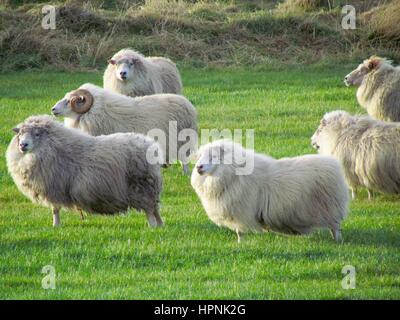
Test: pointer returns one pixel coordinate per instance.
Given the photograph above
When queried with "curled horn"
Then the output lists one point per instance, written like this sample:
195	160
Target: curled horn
82	96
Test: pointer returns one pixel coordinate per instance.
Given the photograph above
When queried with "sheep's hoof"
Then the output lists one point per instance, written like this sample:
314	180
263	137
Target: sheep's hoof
152	220
186	170
56	220
160	224
238	235
159	221
82	215
337	235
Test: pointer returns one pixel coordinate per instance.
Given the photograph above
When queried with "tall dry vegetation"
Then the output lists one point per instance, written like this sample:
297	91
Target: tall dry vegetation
199	33
382	24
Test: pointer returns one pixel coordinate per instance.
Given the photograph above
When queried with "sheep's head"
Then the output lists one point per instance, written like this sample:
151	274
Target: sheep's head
218	156
74	103
356	77
125	67
329	128
208	160
33	133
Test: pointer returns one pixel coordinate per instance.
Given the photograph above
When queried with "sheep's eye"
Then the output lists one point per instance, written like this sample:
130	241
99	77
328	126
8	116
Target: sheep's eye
37	134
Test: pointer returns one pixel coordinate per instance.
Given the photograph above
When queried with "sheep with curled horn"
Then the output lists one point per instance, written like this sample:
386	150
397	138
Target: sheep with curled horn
368	149
378	90
130	73
169	117
247	191
61	167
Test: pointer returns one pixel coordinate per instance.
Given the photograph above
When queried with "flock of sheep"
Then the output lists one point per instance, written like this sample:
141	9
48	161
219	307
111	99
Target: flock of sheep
105	157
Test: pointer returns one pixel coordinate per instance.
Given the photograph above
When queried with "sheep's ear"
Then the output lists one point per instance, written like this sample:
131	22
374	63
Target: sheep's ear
373	63
111	61
352	121
136	62
16	130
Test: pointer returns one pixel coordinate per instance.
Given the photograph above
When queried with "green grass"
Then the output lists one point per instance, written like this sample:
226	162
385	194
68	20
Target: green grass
122	258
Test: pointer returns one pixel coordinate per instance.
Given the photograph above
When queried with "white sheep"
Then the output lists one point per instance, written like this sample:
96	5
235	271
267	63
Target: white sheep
378	88
291	195
61	167
169	117
368	149
130	73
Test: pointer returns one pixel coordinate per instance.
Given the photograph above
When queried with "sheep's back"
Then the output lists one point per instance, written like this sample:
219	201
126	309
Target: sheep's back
169	75
378	154
305	193
380	94
120	176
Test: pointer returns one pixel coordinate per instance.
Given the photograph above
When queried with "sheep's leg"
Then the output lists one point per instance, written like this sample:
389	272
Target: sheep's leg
81	214
157	215
370	194
353	193
336	234
186	170
56	216
151	219
238	235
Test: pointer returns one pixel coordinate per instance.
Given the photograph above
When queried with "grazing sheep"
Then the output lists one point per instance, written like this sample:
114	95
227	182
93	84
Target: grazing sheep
130	73
98	111
379	88
368	149
61	167
291	195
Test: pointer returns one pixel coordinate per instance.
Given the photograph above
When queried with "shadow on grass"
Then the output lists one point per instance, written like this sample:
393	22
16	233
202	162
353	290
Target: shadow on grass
372	237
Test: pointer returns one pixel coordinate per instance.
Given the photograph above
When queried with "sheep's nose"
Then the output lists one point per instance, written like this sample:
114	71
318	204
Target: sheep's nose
23	146
53	109
123	73
200	168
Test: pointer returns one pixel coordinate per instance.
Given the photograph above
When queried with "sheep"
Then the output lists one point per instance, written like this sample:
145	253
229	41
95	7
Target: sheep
61	167
368	149
379	88
130	73
172	118
290	195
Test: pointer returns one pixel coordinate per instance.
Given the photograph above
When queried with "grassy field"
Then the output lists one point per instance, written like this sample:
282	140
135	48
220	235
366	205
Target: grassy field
122	258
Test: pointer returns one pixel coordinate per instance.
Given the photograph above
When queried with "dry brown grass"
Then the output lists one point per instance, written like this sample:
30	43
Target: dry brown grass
382	24
199	33
302	5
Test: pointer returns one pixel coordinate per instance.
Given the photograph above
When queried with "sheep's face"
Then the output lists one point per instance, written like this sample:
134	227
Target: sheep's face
316	138
124	68
208	161
74	103
329	127
63	107
218	159
30	138
323	138
355	78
